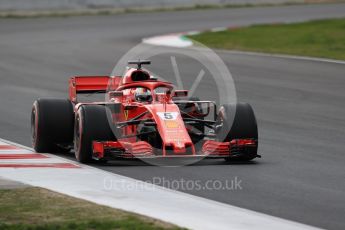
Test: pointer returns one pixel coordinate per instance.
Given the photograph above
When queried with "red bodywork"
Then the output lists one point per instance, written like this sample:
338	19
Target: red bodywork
162	113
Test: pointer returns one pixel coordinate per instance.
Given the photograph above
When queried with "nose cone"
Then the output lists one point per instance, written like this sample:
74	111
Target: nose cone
170	125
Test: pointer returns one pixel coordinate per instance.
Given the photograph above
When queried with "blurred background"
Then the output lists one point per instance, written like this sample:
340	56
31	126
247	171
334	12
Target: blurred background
85	4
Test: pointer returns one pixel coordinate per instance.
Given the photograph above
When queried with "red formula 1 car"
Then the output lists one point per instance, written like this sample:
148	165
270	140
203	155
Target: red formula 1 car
141	117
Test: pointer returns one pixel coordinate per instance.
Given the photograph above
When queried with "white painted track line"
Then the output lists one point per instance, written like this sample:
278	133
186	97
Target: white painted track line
32	161
3	143
136	196
15	151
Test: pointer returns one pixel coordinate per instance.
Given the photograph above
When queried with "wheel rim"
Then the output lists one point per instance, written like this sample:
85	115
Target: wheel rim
77	135
33	126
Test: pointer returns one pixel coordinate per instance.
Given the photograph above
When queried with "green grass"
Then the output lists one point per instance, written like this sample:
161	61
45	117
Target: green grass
321	38
40	209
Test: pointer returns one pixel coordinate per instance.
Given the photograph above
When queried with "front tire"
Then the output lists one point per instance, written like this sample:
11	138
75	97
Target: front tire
237	121
91	124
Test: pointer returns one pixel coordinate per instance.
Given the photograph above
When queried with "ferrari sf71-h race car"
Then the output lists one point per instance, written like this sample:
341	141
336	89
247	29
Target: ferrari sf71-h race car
141	117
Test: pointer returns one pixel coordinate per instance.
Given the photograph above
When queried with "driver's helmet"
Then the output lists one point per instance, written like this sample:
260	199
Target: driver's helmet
143	95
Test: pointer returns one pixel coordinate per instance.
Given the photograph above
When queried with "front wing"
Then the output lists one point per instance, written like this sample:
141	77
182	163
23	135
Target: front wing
141	149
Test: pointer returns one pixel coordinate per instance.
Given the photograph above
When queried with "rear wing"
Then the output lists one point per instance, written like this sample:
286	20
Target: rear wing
91	84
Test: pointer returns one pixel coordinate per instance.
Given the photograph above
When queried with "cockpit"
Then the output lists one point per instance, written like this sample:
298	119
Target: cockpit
146	95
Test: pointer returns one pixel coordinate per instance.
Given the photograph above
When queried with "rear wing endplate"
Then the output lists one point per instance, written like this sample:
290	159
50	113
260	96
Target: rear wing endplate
91	84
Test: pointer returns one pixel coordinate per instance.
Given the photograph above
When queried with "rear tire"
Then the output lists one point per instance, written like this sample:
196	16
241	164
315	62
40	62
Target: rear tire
238	122
52	125
91	124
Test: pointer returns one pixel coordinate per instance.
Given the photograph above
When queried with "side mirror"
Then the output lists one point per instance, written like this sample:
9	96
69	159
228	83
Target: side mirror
116	93
180	93
115	96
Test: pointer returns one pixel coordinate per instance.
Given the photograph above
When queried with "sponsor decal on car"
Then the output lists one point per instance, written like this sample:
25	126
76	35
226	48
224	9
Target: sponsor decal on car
125	112
169	119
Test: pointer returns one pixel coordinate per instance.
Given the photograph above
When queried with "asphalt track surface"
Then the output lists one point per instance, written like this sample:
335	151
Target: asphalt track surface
299	104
